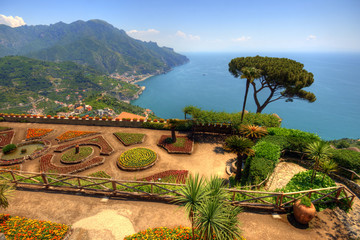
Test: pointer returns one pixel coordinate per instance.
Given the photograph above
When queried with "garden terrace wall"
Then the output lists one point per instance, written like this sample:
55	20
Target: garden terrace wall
79	121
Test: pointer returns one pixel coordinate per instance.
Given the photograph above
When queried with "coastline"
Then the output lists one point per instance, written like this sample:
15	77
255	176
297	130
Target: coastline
143	79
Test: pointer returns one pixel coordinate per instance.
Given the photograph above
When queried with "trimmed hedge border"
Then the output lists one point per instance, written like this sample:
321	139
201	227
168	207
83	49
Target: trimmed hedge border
119	137
170	148
105	148
47	165
88	134
136	168
6	137
78	161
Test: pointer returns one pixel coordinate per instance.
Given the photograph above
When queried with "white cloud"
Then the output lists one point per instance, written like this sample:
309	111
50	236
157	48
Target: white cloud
241	39
136	33
187	36
311	37
11	21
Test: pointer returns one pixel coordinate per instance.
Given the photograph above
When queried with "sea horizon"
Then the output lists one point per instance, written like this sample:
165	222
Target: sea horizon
205	82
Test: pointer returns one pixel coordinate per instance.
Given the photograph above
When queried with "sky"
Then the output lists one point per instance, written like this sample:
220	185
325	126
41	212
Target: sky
209	26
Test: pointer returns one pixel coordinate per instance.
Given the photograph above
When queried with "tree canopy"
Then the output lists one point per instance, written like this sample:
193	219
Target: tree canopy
283	77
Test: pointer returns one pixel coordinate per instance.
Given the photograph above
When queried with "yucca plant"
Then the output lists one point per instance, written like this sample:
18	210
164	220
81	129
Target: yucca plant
318	151
6	191
216	219
242	147
252	132
192	194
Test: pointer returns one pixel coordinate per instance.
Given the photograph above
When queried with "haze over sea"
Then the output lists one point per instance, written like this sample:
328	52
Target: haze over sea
205	82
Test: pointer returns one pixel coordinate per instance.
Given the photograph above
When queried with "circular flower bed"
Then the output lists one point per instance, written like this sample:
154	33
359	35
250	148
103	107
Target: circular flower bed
137	159
71	157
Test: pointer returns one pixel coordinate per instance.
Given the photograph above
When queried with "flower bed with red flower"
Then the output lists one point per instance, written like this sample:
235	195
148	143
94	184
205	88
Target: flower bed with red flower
47	166
99	141
172	176
36	133
6	138
14	167
182	145
24	228
176	233
72	135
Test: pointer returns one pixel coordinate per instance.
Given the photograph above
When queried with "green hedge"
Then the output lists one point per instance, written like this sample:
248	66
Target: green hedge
281	141
257	168
347	158
291	139
287	132
260	119
8	148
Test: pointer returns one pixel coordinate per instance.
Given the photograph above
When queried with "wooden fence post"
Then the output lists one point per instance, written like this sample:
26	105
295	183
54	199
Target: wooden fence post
113	184
152	188
45	180
338	193
233	196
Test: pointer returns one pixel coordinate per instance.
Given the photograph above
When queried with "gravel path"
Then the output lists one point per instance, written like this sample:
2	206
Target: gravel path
282	174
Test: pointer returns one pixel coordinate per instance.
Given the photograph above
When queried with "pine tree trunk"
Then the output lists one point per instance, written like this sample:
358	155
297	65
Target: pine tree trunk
173	134
245	98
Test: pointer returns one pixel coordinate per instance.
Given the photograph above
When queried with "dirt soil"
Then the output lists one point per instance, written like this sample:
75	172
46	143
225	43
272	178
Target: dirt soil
206	158
94	217
100	218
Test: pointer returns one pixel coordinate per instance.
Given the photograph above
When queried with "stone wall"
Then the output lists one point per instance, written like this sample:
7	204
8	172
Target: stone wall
74	121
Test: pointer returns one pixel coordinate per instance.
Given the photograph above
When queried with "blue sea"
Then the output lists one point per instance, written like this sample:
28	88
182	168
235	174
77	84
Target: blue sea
205	82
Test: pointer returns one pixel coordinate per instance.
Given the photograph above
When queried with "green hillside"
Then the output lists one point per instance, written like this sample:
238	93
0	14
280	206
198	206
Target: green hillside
94	43
26	82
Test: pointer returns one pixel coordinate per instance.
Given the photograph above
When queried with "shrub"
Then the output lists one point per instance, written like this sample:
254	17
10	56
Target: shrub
154	125
281	141
296	140
302	181
8	148
260	119
257	168
347	159
2	119
293	133
267	150
342	144
305	201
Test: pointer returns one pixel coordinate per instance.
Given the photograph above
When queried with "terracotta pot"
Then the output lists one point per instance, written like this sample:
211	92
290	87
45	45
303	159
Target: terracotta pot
302	213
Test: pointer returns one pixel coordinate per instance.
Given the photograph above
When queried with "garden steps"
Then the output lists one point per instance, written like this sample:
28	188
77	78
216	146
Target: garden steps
282	174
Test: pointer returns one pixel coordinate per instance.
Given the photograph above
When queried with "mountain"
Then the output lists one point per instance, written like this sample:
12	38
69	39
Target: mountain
95	43
27	83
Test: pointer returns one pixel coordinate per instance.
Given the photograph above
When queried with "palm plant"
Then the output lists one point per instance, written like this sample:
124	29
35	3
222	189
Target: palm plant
250	73
252	131
6	191
328	166
216	219
192	194
242	147
317	151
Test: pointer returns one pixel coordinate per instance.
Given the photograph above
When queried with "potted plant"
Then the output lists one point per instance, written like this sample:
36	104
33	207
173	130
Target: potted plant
56	117
48	116
304	210
62	117
70	117
91	118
